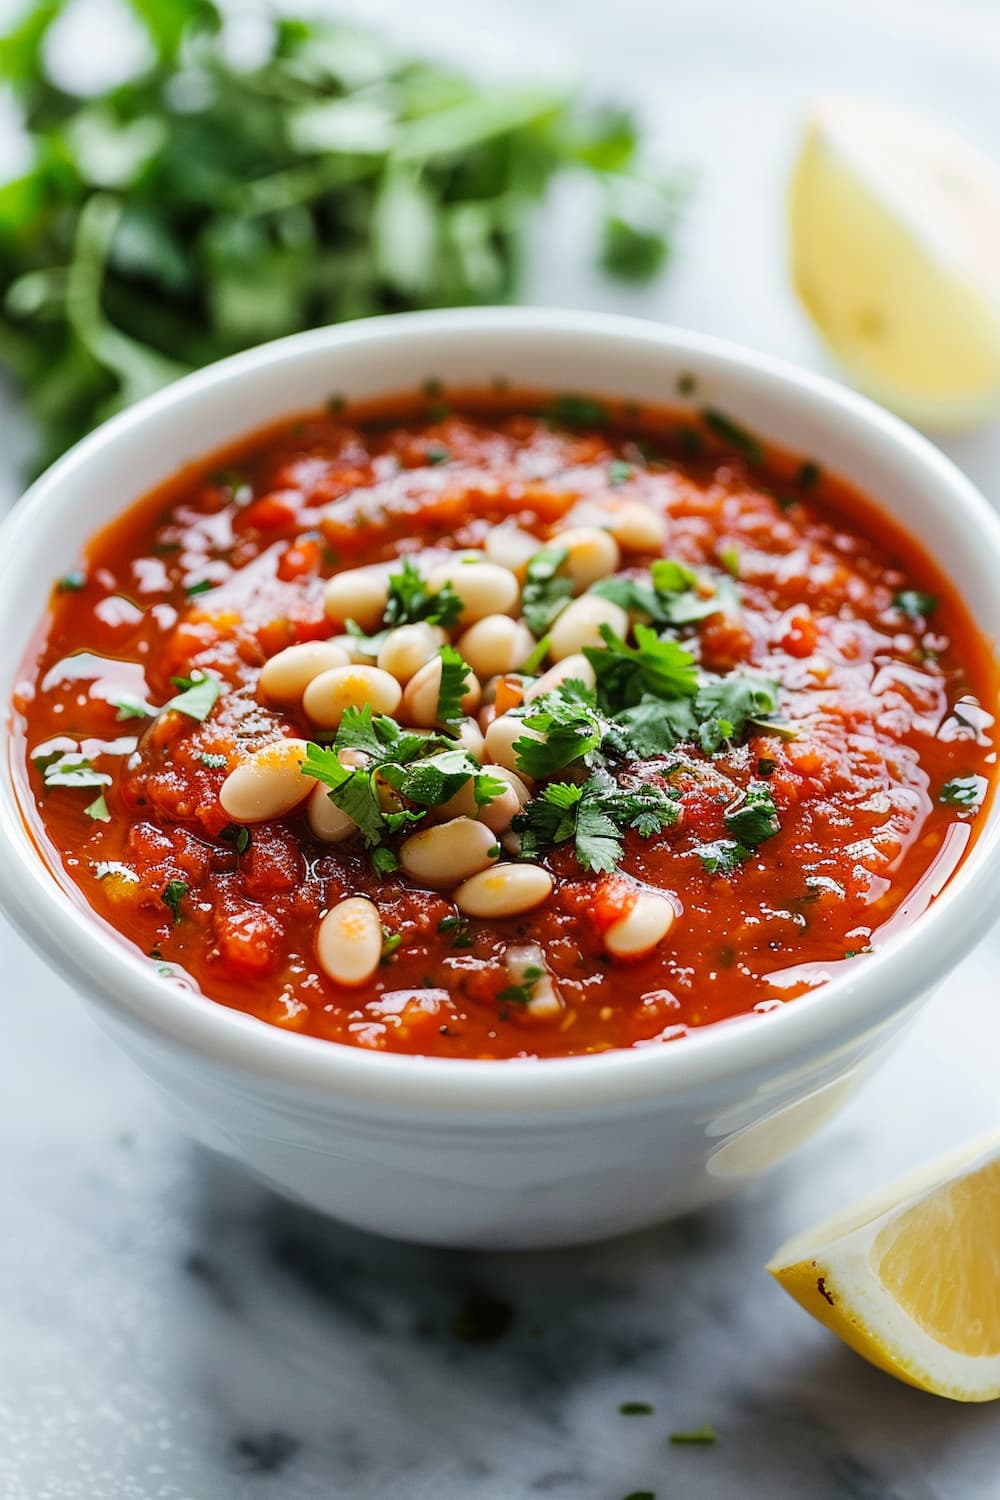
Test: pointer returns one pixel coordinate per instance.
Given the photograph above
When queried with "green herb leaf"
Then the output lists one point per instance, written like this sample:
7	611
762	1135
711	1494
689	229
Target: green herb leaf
755	818
915	603
72	582
98	809
619	472
635	1409
214	762
569	725
723	857
172	895
699	1435
595	815
733	434
725	706
455	675
578	411
410	600
71	769
546	591
965	792
197	698
660	668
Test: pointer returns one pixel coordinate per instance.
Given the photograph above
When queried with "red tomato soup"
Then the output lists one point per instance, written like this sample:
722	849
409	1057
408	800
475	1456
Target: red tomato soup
516	728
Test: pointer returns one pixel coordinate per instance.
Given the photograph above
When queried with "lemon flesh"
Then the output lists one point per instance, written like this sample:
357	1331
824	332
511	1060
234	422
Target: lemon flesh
910	1277
894	231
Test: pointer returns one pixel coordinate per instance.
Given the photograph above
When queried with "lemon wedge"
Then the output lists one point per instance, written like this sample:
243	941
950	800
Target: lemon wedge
894	229
910	1277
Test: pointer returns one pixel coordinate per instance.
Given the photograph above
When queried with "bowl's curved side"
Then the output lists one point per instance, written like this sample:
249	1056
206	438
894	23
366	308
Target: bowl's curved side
759	1065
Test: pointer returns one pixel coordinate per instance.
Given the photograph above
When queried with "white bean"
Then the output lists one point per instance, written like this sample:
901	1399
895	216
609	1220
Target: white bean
575	668
579	623
470	739
501	737
328	695
495	645
326	820
286	676
592	554
647	924
505	891
526	966
422	692
360	595
408	648
483	587
349	941
637	527
448	852
498	813
511	547
268	784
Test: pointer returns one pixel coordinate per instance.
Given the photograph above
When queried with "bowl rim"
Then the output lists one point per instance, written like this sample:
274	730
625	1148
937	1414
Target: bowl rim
866	996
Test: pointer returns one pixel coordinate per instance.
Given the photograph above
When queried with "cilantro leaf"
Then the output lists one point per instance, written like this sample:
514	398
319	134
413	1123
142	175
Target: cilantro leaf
965	792
733	434
71	769
437	778
410	600
569	725
595	815
915	603
197	697
724	856
619	472
653	726
671	599
455	674
726	705
625	673
172	895
546	591
755	817
98	809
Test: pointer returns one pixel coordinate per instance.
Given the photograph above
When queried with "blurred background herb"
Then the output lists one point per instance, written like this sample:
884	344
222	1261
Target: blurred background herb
205	205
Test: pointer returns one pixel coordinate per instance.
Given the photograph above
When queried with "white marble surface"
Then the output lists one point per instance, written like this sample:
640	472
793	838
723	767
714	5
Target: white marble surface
171	1331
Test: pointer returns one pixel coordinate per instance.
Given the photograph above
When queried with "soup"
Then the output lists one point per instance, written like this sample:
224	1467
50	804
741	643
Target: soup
516	728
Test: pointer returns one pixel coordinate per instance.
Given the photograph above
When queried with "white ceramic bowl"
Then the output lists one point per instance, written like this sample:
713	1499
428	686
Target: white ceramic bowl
499	1154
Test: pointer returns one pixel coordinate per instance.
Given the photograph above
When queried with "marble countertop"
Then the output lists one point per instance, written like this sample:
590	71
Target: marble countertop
170	1330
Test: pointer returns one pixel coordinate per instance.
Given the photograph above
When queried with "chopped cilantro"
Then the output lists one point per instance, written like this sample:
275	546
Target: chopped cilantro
201	587
390	942
131	708
732	433
809	474
197	697
965	792
436	453
595	815
72	582
546	591
569	725
672	600
172	895
455	675
214	762
578	411
70	769
98	809
726	705
729	556
699	1435
723	857
755	817
766	766
915	603
624	673
458	926
619	472
635	1409
238	835
437	778
410	600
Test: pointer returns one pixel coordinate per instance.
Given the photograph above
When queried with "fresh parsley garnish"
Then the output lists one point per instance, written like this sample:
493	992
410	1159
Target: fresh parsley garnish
619	472
671	598
238	835
458	926
724	856
201	587
131	708
578	411
546	591
410	600
725	706
196	698
391	941
213	761
704	1434
537	656
72	582
915	603
635	1409
172	895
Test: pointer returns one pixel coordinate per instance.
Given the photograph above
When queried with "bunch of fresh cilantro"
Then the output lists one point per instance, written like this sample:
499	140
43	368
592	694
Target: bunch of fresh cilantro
204	206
